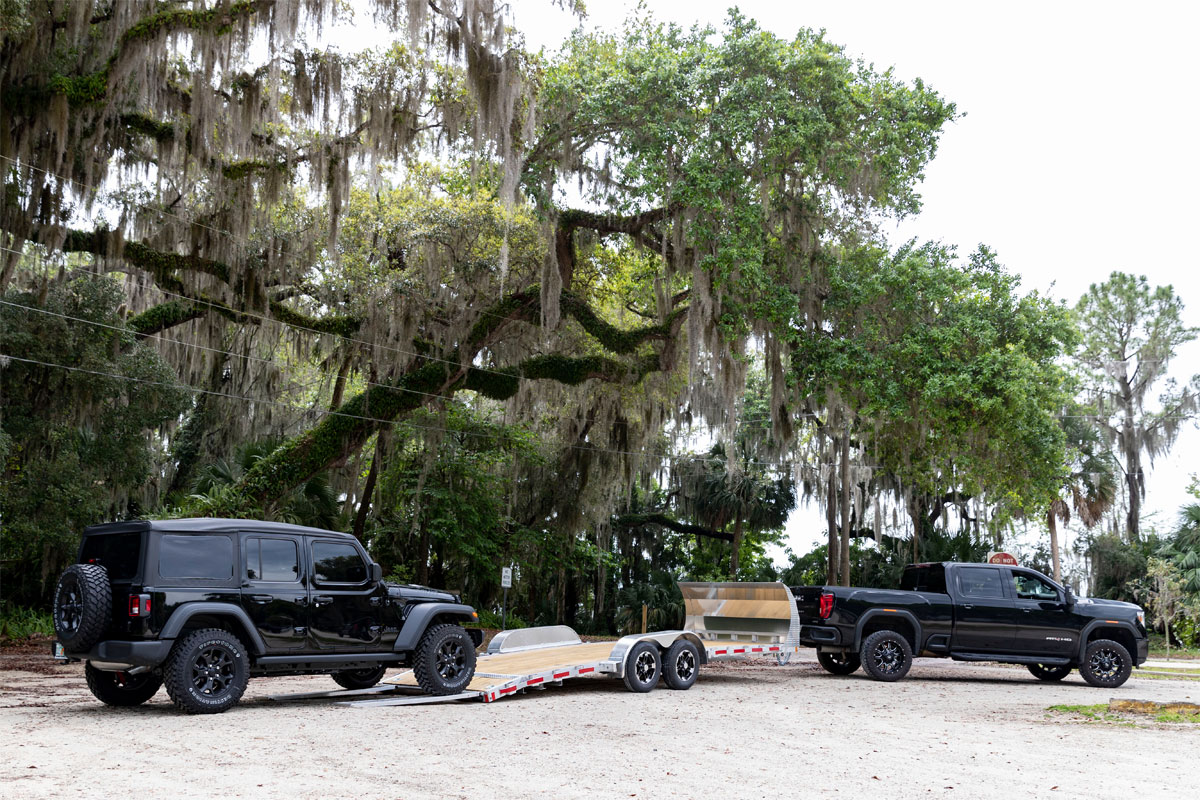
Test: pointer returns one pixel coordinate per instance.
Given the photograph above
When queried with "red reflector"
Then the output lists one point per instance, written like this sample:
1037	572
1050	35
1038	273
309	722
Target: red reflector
826	605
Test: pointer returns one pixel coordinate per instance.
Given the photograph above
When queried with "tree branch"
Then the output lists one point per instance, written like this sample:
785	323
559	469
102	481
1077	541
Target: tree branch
664	521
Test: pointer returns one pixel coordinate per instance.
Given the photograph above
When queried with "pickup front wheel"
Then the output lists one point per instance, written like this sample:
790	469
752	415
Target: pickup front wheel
886	656
840	663
1106	664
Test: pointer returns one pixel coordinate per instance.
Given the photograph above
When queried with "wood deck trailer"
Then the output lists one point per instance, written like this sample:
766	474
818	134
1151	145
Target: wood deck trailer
722	621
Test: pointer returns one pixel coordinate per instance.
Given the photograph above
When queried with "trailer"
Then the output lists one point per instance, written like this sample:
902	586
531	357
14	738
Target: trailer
722	621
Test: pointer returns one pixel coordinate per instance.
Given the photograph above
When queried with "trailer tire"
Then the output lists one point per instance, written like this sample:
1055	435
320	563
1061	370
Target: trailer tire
840	663
681	666
886	656
643	666
445	660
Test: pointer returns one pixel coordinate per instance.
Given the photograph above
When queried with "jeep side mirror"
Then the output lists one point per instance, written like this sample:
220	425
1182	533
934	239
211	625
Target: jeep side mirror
376	573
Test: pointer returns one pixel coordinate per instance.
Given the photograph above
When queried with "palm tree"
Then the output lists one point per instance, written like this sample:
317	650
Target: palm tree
1090	487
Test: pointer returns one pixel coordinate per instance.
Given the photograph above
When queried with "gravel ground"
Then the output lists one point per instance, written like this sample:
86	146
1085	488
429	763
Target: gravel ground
746	729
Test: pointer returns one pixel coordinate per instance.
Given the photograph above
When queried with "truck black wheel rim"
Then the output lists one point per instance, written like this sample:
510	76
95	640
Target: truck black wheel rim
212	671
888	658
1105	663
643	668
685	664
450	659
70	608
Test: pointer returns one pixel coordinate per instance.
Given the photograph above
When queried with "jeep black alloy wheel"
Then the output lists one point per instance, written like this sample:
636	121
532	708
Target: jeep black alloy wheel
207	671
121	688
681	666
82	606
445	660
1106	664
886	656
1049	673
642	667
839	663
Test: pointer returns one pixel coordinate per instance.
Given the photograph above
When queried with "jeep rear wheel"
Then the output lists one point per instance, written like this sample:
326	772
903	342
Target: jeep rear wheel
207	671
445	660
82	606
358	678
121	688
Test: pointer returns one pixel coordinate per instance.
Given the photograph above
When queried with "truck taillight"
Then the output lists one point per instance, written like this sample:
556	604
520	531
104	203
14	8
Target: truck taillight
139	605
826	605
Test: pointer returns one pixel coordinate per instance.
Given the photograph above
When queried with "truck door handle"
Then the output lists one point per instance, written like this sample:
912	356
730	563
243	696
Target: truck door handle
1027	610
967	606
261	598
322	600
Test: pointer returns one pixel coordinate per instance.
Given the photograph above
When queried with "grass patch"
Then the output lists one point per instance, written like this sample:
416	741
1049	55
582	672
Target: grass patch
1177	716
1095	713
18	622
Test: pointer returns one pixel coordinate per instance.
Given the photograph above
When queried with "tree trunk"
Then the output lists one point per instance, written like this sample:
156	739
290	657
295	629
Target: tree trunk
339	385
423	557
364	503
1131	448
737	547
845	548
1051	522
831	571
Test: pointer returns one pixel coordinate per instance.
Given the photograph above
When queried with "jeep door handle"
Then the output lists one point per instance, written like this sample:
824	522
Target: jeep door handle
261	598
322	600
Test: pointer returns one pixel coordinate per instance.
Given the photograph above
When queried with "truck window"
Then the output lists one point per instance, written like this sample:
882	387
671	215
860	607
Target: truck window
200	557
980	582
931	578
1031	587
274	560
337	563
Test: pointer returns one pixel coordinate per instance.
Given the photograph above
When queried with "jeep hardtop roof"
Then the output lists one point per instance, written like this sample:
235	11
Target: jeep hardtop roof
209	524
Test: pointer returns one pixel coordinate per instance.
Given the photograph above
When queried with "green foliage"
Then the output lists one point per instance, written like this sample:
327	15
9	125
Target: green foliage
77	444
489	618
19	622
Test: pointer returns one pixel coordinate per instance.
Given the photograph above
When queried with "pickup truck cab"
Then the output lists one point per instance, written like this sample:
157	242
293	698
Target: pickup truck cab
972	612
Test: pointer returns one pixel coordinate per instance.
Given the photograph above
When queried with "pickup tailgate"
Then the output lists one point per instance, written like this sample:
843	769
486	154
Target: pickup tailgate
808	603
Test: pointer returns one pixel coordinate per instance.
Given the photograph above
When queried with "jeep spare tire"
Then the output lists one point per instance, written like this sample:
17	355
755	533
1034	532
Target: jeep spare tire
82	606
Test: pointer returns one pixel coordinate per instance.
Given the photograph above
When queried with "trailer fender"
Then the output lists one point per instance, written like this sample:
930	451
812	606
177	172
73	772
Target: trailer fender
664	640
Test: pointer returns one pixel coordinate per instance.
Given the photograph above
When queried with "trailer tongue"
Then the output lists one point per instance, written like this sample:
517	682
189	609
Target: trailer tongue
723	621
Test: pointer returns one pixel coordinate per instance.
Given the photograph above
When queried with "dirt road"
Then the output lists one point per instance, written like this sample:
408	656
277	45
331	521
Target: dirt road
751	729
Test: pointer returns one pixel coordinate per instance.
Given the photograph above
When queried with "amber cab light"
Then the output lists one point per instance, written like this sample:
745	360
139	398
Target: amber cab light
826	605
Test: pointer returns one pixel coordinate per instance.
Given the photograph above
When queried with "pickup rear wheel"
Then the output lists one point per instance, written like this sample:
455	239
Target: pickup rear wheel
643	666
1106	664
681	666
359	678
840	663
1049	673
445	660
886	656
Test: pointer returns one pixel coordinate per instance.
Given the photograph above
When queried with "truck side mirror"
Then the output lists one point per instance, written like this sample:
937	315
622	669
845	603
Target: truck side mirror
376	573
1068	597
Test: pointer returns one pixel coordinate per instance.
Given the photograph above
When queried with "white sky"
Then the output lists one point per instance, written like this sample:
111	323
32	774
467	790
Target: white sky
1077	155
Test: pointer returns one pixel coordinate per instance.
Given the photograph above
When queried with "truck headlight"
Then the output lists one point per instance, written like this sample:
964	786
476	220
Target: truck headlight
1142	618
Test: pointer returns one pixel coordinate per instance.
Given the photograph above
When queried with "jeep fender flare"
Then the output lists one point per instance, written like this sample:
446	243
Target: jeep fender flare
907	616
1085	635
181	615
418	619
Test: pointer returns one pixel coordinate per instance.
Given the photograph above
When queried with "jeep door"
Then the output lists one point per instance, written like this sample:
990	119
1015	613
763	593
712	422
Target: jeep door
984	615
273	593
1044	624
346	606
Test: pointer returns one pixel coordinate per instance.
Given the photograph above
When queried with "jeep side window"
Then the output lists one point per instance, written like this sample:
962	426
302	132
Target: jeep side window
196	556
275	560
1031	587
337	563
980	582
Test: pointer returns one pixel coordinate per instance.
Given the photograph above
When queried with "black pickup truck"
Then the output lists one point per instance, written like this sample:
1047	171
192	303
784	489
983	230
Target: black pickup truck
972	612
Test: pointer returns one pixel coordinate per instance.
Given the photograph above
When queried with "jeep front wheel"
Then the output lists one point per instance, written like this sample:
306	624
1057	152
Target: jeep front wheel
445	660
207	671
121	688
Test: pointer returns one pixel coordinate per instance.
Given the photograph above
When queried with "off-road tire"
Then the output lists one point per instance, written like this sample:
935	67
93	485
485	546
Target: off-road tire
886	656
121	688
840	663
82	606
1049	673
207	671
643	666
359	678
681	665
1106	664
445	660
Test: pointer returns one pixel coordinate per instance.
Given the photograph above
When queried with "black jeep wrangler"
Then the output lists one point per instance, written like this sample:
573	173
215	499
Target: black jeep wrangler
203	605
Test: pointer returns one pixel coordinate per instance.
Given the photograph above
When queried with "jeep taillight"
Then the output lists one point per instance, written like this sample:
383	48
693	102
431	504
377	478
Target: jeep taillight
826	605
139	605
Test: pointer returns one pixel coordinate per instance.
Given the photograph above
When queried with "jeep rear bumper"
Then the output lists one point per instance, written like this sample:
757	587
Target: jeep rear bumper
115	653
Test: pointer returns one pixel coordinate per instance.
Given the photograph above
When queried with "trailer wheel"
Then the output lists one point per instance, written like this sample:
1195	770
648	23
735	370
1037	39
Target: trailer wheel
840	663
681	666
886	656
642	667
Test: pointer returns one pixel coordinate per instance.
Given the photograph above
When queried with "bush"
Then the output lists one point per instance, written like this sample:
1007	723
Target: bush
491	619
18	622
